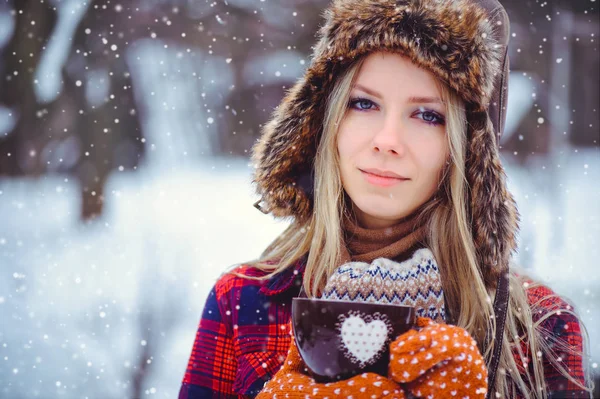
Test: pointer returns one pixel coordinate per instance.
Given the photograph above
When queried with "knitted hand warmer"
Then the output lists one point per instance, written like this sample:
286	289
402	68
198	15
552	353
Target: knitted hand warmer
439	361
415	282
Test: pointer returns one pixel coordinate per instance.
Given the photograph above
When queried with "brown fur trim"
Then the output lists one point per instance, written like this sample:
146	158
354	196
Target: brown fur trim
494	215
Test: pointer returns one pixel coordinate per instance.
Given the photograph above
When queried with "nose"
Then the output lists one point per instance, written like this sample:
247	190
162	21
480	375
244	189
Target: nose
390	138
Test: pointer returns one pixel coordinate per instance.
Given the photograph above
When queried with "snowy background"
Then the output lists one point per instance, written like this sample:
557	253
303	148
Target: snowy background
107	306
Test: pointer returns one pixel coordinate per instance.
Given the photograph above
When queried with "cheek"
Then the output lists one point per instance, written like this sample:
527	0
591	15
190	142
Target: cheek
346	144
353	137
433	155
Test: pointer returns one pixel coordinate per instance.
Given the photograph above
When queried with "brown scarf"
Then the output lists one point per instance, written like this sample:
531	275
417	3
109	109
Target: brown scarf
396	243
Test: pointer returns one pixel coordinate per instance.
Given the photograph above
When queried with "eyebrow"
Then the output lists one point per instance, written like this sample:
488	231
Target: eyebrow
411	100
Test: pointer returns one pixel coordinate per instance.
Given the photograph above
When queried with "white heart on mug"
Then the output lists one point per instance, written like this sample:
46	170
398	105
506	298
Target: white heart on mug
364	341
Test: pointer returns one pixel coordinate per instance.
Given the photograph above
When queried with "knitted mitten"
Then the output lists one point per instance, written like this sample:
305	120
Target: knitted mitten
292	381
439	361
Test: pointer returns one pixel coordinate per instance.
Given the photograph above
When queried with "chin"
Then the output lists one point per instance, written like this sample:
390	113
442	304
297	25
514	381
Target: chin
383	210
391	217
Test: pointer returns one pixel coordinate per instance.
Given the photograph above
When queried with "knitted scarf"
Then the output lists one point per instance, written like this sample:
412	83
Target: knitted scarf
396	243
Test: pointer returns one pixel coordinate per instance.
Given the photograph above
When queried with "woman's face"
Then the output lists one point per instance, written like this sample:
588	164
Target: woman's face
394	126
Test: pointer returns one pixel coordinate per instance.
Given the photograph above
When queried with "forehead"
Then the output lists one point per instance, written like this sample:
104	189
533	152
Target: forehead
395	74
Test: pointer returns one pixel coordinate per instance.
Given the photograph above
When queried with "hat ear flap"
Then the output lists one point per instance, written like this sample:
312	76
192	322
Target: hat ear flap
284	155
494	217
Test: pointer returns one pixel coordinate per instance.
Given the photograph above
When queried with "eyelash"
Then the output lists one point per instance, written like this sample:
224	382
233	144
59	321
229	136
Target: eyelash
439	118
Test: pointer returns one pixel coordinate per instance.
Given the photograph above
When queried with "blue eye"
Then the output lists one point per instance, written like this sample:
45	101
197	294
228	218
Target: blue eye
363	104
431	117
427	115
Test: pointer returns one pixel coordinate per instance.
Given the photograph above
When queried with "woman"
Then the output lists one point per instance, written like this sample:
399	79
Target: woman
387	145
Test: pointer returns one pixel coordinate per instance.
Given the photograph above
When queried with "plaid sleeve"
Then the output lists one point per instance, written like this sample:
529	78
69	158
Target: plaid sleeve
242	340
212	366
262	338
563	333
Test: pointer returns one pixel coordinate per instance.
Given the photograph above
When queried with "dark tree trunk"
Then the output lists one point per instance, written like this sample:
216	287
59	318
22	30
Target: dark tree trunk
34	22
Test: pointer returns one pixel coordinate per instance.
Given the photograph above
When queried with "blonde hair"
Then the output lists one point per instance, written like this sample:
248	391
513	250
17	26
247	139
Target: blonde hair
449	238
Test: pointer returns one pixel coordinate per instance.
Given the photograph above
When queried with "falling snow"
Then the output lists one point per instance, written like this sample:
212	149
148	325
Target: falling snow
86	305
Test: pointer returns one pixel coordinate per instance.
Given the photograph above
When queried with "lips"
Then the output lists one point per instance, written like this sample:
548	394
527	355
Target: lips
383	173
382	181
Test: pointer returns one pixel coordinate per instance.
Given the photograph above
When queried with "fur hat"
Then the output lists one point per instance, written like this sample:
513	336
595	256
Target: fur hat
414	282
463	43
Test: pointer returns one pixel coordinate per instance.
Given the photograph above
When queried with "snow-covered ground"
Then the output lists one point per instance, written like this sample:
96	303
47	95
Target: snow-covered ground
76	301
79	304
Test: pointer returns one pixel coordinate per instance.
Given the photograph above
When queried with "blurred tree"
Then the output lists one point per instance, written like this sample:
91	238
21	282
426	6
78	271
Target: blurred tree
34	21
97	80
107	133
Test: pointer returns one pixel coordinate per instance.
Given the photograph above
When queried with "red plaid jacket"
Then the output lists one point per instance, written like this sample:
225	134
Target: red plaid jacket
243	337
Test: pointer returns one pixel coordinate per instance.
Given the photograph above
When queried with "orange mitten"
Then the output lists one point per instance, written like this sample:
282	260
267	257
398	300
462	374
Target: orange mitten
291	381
439	361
